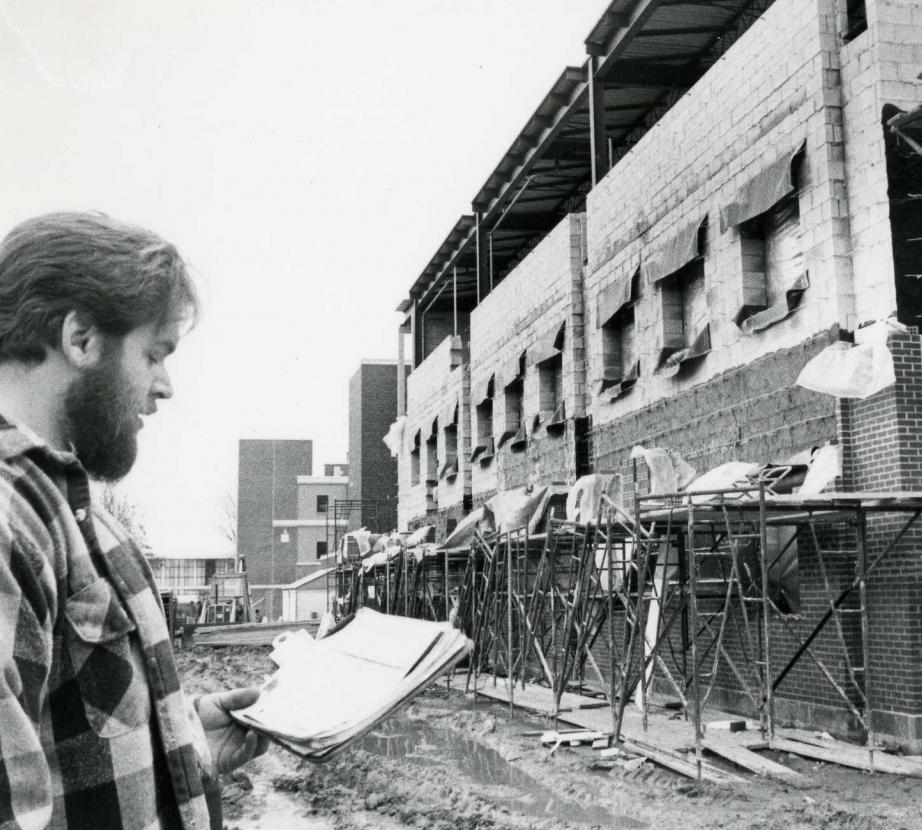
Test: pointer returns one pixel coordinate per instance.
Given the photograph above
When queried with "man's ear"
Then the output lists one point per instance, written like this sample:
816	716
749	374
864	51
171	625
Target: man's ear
81	340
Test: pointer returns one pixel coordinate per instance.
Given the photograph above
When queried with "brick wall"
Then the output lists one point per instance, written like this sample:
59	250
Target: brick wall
372	469
882	445
267	490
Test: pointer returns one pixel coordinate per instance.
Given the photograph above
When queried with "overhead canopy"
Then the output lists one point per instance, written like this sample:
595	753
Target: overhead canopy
550	344
768	187
615	297
674	253
646	55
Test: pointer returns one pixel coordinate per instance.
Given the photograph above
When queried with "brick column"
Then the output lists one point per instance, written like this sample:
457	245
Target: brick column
882	451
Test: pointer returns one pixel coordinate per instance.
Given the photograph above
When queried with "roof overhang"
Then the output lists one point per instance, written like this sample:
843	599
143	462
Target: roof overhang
643	56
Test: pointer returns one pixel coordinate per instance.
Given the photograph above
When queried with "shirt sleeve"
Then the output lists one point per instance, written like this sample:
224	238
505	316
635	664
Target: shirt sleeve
27	602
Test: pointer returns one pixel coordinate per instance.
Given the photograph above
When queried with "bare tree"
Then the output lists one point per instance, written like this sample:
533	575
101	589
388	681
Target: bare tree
127	513
228	520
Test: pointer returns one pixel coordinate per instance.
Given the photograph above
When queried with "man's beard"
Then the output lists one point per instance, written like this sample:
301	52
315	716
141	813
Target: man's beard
100	419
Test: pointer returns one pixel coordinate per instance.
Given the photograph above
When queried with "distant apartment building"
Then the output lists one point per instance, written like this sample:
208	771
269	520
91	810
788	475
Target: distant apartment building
189	577
372	469
317	525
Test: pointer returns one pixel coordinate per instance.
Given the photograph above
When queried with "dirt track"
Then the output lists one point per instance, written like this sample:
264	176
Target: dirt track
445	763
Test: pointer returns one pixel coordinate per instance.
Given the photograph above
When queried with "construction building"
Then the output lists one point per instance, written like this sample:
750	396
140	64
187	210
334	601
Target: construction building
722	191
372	469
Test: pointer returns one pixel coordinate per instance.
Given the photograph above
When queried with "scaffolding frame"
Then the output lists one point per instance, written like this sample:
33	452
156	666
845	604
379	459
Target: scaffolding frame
679	593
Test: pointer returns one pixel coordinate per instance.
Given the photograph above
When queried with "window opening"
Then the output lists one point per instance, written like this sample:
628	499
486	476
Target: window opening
767	212
432	454
449	467
483	414
513	399
620	357
414	460
686	326
856	14
323	504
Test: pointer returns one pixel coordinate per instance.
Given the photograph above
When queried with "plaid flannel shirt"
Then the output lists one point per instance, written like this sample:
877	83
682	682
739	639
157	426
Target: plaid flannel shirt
94	728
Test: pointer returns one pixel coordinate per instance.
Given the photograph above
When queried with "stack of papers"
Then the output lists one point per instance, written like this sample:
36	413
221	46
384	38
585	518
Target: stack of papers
328	692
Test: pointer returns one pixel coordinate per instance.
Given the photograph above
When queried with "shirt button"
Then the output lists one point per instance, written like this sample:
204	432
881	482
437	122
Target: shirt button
80	514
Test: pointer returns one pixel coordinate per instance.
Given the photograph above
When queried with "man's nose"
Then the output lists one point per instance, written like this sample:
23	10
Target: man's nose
162	388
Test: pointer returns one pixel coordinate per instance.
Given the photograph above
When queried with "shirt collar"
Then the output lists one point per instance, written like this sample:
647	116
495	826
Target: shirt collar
17	439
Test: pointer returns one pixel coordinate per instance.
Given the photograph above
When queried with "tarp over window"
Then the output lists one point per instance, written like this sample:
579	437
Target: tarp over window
615	297
483	390
674	253
449	415
767	188
512	370
700	347
785	307
550	345
616	380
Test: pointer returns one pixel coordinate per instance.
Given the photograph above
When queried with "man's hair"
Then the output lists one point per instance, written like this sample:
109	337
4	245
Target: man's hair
118	275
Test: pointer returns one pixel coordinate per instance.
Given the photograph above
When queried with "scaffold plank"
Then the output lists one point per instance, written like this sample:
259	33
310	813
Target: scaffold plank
847	755
727	747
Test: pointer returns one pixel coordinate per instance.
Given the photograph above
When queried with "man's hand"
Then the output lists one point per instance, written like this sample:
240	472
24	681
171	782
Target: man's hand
232	745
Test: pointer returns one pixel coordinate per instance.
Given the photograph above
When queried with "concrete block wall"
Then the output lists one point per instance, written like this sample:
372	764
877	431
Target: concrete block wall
880	66
543	291
430	387
766	95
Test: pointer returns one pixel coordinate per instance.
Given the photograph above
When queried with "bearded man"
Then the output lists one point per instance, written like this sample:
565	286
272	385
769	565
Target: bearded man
94	728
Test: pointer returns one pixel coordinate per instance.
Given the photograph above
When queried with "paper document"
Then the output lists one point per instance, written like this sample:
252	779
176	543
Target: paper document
328	692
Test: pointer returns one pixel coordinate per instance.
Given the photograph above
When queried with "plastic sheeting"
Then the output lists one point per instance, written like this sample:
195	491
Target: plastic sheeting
513	509
420	535
669	472
394	438
585	496
853	371
674	254
727	476
764	190
550	344
614	297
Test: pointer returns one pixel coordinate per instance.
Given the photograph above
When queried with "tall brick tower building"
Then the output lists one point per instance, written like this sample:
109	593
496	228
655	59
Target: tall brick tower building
267	490
372	470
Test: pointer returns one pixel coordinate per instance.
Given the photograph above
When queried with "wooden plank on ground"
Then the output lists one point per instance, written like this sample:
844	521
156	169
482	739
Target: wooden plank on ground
246	634
536	698
822	739
727	747
847	755
675	762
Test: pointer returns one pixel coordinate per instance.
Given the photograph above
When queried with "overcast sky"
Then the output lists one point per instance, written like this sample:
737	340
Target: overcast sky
308	157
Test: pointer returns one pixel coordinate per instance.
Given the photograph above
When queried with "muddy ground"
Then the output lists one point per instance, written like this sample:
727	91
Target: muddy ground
446	763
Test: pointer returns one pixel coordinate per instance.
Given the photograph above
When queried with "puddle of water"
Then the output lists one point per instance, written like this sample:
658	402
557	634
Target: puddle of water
425	745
